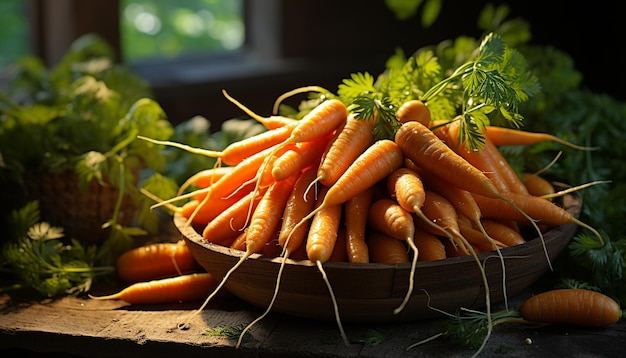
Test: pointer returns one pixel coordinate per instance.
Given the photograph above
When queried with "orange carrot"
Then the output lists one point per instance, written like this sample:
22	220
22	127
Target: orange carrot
300	203
204	178
185	288
300	156
356	212
340	253
405	185
481	241
542	210
267	217
441	212
490	161
322	236
153	261
208	208
430	246
386	249
242	149
509	136
572	306
390	218
355	136
537	185
230	222
503	233
427	151
414	111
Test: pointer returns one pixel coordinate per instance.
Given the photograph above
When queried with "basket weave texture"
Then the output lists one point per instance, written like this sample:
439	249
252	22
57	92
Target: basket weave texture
81	213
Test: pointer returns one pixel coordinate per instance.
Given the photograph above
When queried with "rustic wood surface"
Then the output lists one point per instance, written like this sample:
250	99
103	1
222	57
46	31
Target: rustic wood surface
73	326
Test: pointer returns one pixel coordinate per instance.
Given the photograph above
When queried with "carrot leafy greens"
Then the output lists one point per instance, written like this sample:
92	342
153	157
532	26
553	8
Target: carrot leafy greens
484	90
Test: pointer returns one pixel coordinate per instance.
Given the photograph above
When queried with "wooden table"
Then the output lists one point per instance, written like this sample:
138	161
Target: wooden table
84	327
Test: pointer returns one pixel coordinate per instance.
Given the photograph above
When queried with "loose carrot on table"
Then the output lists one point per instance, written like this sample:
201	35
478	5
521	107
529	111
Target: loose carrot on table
355	217
509	136
414	111
153	261
184	288
576	307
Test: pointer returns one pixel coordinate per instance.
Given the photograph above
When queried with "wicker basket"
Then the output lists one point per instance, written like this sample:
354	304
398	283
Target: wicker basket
80	212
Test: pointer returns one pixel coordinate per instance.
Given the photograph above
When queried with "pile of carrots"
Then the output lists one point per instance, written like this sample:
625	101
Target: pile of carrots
322	188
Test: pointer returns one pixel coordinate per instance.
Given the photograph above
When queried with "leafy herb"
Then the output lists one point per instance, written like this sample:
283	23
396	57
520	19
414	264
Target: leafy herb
43	262
228	332
83	116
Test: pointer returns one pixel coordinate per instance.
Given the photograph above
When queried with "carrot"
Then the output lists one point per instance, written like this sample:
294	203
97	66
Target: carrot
537	185
427	151
208	208
242	149
572	306
356	212
490	161
185	288
355	136
406	186
300	203
542	210
430	246
226	185
414	111
461	200
386	249
503	233
340	253
323	231
480	241
204	178
441	212
509	136
298	157
271	122
390	218
230	222
154	261
378	161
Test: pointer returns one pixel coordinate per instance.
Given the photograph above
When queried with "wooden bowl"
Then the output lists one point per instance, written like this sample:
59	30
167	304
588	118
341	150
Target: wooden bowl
368	293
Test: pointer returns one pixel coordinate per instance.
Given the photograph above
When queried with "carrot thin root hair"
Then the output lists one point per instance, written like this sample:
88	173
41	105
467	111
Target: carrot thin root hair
288	94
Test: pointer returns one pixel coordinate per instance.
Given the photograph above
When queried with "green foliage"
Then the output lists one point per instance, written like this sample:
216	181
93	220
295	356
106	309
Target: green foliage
42	261
486	89
83	116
